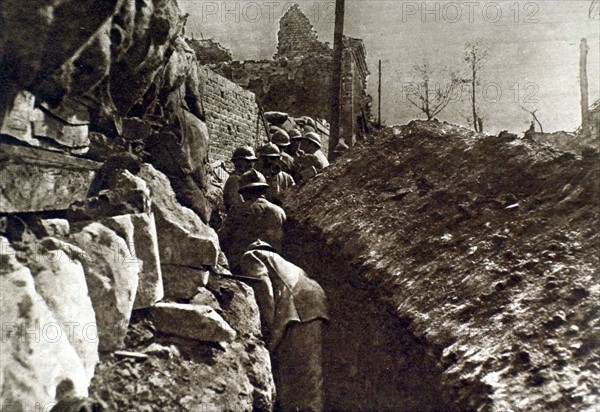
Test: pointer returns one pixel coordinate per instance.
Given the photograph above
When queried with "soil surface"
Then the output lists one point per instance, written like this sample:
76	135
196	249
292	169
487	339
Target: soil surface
186	375
473	256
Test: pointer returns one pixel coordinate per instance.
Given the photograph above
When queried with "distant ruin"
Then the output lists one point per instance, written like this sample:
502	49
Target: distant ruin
297	80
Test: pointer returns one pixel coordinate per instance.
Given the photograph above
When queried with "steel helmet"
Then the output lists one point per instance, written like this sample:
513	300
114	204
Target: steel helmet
269	150
252	178
274	129
280	138
295	134
260	245
313	137
244	152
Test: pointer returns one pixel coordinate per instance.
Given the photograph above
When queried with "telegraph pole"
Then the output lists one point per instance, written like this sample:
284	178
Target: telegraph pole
336	78
583	86
379	103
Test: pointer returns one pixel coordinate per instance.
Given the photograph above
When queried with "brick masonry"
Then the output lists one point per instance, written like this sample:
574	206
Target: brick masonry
232	116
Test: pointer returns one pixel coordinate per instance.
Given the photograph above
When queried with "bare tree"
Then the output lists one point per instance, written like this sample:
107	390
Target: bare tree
475	54
428	96
532	113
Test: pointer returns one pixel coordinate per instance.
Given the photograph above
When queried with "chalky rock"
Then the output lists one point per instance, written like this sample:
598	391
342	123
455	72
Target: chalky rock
56	227
60	280
112	276
182	282
64	130
205	297
35	180
35	354
192	321
183	238
139	232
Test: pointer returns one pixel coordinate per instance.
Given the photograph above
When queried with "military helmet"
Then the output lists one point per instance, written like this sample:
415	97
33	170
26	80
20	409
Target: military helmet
313	137
244	152
274	129
260	245
269	150
280	138
295	134
252	178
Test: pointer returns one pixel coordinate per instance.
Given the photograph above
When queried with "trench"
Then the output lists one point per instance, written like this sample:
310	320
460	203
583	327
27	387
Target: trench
372	361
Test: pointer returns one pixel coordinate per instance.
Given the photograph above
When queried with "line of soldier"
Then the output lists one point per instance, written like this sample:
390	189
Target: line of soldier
292	306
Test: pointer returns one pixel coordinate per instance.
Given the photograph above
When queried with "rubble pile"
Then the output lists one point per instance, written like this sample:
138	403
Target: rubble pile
477	254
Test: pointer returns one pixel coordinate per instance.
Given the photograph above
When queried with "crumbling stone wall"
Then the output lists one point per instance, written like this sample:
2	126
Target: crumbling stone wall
209	51
297	87
232	116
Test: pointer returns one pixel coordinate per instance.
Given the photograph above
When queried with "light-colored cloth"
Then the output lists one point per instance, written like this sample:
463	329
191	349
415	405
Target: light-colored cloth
321	160
308	165
252	220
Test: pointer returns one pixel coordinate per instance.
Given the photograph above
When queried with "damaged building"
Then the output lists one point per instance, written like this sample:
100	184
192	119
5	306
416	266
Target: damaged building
298	78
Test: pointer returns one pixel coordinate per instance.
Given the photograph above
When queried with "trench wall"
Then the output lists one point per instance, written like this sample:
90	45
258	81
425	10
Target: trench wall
372	360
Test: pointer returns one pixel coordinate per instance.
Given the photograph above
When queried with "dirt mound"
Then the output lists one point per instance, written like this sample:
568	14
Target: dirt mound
483	248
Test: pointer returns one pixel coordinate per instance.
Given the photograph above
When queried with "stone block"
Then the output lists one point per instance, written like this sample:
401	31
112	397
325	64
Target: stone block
183	282
139	232
61	281
48	126
56	227
35	355
205	297
182	237
192	321
17	121
35	180
112	277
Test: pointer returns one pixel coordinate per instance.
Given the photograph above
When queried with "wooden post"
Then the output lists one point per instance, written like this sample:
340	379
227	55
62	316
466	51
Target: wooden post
379	103
583	86
336	78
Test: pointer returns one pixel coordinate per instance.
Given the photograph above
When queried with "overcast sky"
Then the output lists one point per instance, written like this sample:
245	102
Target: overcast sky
533	49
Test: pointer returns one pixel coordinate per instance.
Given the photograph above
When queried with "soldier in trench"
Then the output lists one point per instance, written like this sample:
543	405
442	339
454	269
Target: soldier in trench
270	167
293	311
255	218
311	160
282	140
243	159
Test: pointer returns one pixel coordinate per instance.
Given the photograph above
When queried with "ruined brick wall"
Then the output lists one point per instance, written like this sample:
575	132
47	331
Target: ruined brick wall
299	87
232	116
356	103
297	37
